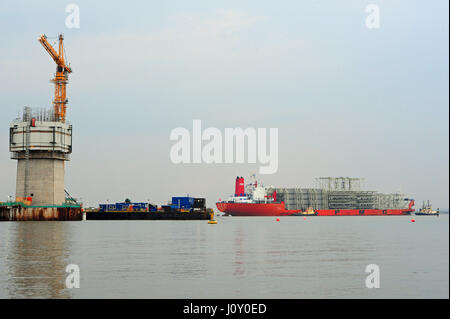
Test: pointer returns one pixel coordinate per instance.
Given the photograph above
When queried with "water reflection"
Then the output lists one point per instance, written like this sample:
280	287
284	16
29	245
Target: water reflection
36	260
240	258
239	269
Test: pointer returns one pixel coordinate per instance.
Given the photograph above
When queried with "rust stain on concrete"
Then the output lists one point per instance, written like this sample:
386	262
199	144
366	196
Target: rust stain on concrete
18	213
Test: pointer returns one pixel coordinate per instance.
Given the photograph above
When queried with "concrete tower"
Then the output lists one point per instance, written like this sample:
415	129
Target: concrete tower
40	145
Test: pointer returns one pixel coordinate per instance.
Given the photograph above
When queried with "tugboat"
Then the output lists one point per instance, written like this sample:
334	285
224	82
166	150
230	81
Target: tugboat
309	212
427	211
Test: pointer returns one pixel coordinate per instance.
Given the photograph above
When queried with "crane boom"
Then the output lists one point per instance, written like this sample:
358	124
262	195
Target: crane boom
61	77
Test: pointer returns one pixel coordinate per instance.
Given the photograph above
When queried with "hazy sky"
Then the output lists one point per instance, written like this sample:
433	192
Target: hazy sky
347	100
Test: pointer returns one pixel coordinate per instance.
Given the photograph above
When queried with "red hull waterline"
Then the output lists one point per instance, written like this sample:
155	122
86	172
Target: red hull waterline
278	209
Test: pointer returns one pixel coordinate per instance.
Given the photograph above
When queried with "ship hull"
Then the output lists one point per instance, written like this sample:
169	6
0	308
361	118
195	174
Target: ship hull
255	209
278	209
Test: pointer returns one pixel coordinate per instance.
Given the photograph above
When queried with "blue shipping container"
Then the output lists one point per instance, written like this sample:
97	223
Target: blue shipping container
123	206
182	202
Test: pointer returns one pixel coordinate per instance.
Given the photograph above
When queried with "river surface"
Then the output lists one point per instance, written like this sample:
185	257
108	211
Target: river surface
240	257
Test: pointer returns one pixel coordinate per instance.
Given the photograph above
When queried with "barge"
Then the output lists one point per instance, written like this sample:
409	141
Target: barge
181	208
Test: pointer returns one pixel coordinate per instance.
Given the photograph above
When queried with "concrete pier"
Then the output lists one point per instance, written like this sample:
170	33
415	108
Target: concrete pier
41	146
45	179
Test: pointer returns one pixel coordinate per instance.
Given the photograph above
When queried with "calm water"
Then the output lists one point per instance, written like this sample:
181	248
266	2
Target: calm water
320	257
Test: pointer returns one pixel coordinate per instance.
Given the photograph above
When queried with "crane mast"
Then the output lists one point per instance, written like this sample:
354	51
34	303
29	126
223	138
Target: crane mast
61	76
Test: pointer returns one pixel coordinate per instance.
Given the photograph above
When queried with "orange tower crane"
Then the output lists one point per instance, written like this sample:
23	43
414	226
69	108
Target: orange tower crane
61	77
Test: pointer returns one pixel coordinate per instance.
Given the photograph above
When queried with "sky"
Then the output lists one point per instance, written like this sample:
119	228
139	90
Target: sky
347	100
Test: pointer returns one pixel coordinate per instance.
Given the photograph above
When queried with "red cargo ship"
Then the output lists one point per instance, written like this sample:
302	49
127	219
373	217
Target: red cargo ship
263	201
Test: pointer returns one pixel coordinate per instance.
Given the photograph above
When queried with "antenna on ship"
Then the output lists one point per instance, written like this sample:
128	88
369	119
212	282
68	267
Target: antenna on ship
255	182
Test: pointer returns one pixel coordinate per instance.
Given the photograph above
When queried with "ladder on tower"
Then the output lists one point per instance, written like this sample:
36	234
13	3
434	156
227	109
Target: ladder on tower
27	152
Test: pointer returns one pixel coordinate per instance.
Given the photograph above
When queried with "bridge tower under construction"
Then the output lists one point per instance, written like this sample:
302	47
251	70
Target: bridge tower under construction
41	140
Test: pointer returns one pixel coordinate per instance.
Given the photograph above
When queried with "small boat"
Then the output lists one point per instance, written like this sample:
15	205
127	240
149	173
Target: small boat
309	212
212	221
427	211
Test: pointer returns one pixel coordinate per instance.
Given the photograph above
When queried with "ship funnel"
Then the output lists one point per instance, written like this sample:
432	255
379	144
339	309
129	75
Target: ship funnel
240	187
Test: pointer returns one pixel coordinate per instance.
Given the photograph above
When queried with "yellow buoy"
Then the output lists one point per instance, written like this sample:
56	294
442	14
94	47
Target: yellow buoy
212	221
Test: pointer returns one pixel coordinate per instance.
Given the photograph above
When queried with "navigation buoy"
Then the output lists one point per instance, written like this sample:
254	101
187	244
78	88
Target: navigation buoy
278	219
413	220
